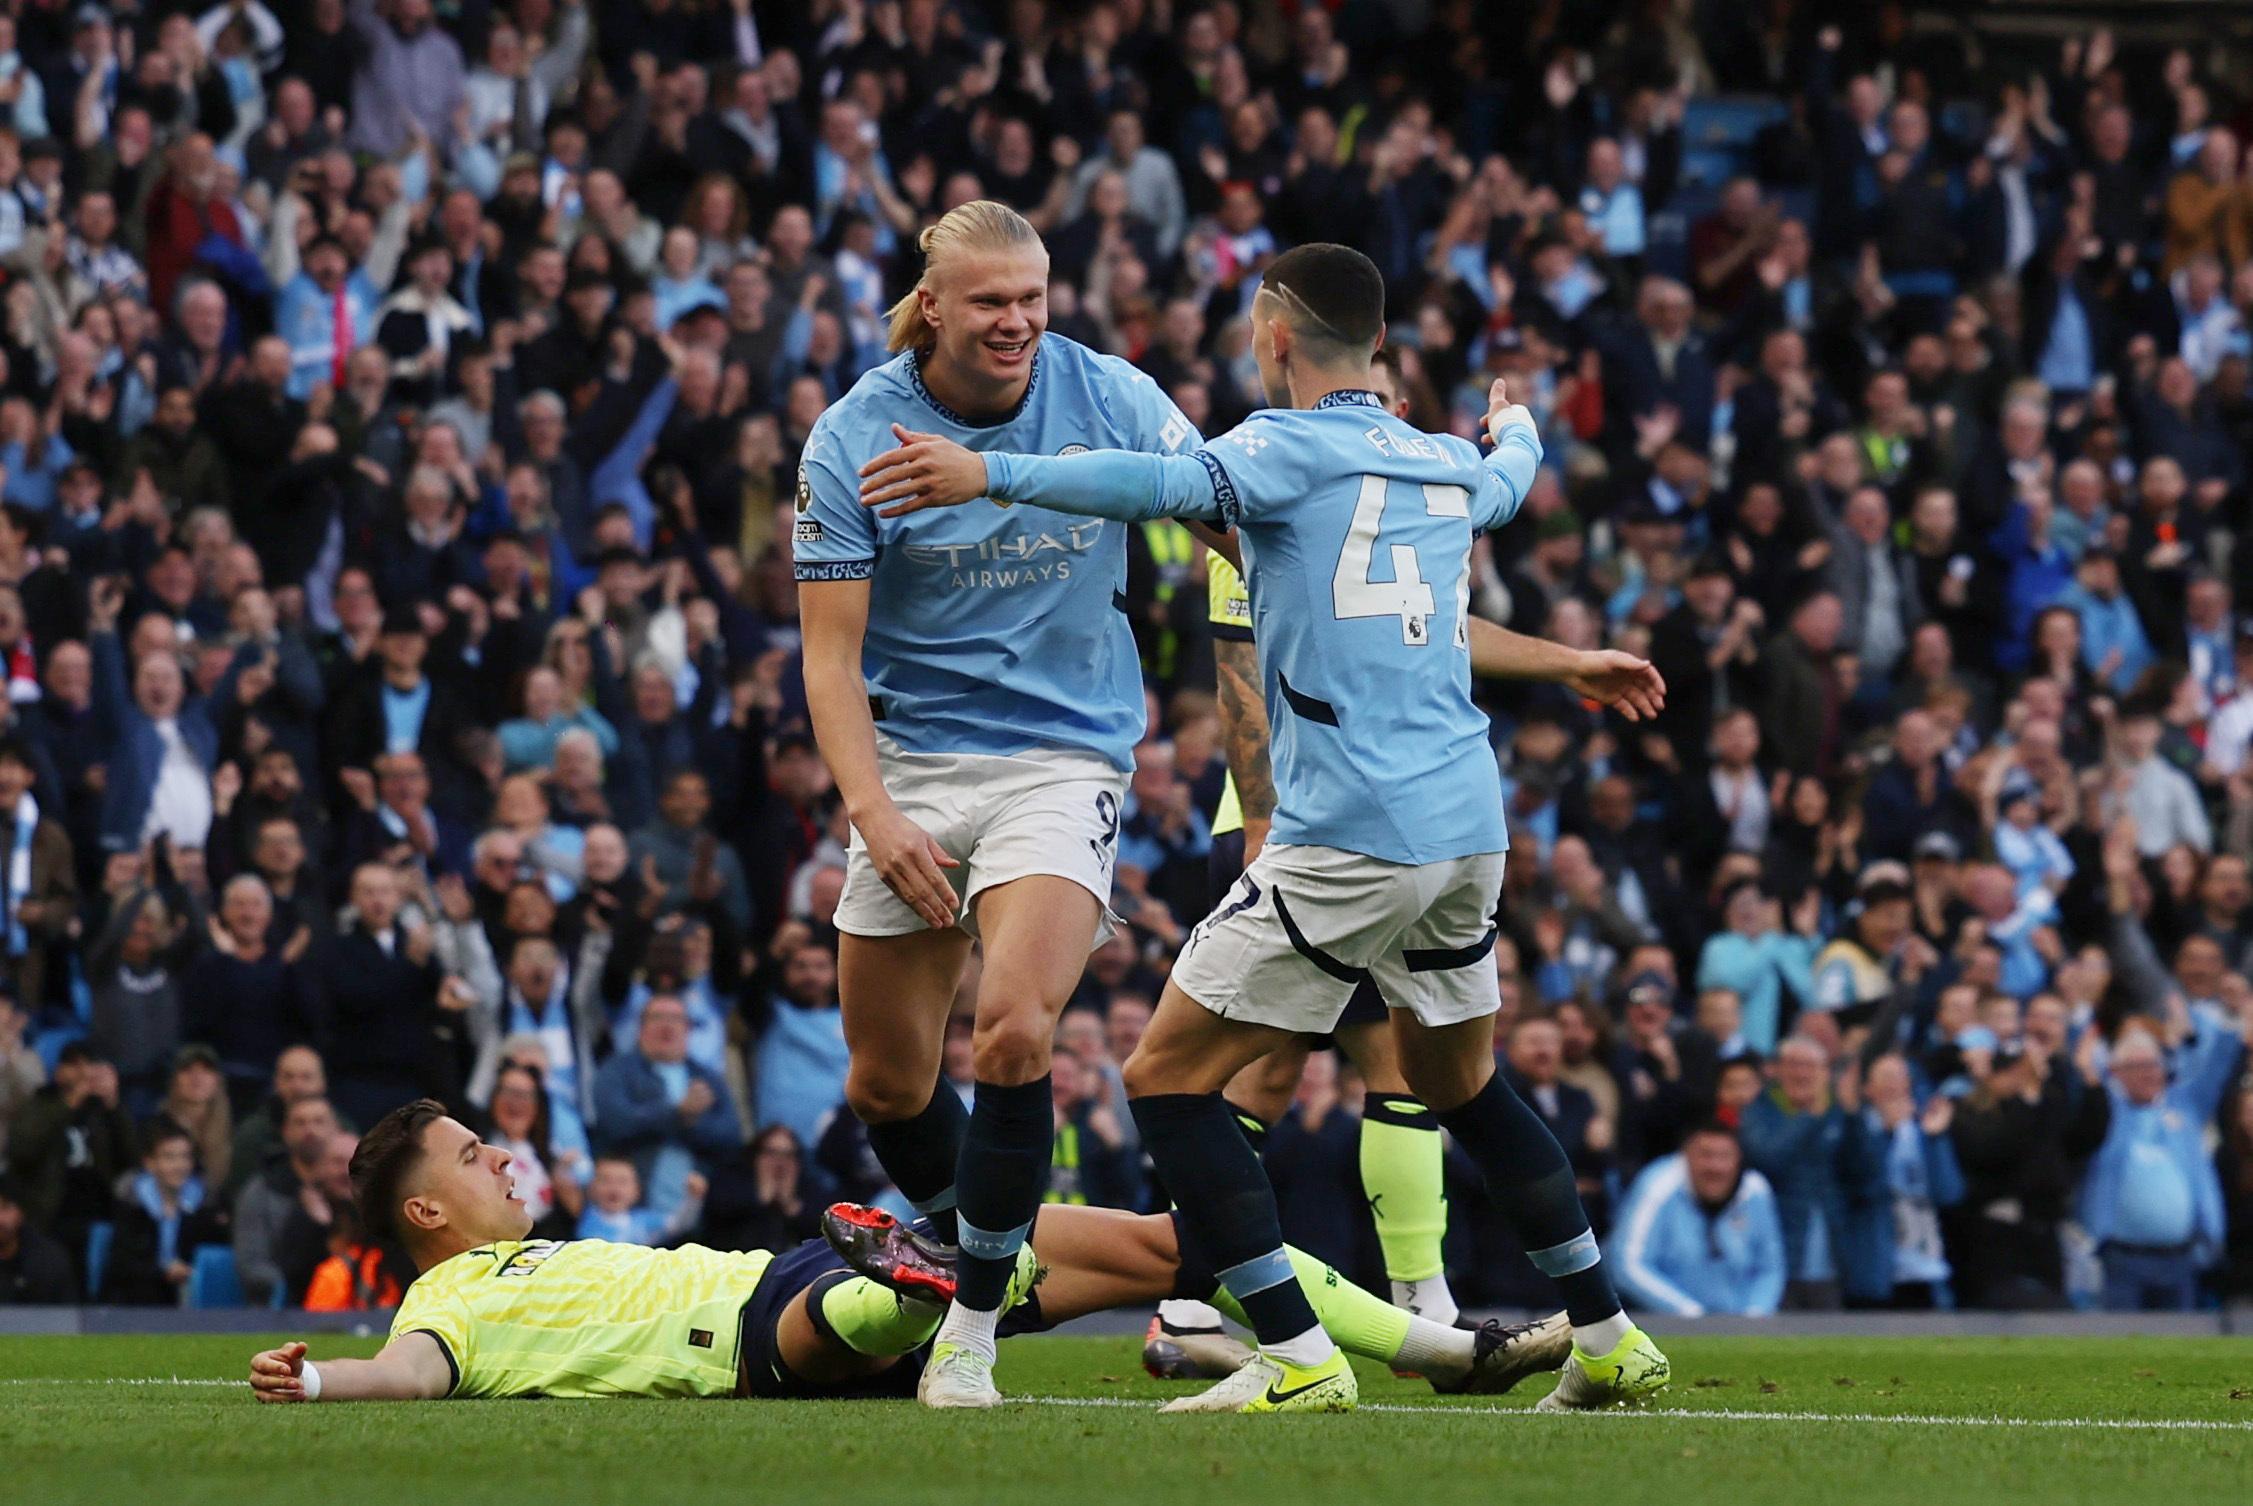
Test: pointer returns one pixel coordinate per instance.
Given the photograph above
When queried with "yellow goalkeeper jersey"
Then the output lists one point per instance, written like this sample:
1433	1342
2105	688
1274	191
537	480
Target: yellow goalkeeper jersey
586	1317
1228	606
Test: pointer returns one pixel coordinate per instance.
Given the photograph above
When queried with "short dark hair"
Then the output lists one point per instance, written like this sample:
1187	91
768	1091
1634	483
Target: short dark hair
14	749
1338	286
1719	1127
161	1131
388	1154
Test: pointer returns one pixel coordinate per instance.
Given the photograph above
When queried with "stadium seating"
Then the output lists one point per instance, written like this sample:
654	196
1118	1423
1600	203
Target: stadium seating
98	1240
212	1281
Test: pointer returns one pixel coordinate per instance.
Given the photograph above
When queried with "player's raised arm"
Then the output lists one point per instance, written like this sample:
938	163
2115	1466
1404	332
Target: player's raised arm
1606	676
1511	466
412	1367
928	470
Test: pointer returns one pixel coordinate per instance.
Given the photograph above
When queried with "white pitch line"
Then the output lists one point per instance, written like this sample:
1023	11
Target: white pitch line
1742	1414
120	1380
1395	1409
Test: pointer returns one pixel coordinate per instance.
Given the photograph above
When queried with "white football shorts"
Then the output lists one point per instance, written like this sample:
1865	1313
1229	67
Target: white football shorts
1304	925
1049	811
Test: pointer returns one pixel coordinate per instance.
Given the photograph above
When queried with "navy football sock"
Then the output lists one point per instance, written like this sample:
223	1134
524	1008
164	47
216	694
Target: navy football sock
998	1185
1226	1207
1529	1178
920	1154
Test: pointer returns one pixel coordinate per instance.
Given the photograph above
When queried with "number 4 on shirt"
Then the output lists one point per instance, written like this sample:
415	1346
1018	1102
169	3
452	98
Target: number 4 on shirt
1407	595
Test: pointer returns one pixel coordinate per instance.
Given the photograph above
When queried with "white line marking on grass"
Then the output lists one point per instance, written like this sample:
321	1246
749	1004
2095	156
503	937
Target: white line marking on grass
1740	1414
123	1380
1395	1409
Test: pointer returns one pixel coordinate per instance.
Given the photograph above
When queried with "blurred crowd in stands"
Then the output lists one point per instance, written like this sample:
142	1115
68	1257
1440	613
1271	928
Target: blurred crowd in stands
399	415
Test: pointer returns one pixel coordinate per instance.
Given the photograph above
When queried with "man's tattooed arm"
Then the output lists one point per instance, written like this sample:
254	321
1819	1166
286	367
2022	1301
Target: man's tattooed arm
1243	737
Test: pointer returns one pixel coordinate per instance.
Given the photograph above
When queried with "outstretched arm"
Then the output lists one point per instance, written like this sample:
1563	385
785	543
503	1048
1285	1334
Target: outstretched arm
928	470
412	1367
1608	677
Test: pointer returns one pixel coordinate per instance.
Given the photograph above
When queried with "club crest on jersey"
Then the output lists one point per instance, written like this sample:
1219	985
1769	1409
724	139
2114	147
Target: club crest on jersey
805	490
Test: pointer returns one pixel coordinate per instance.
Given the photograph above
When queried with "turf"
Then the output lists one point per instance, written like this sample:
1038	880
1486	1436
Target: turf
70	1431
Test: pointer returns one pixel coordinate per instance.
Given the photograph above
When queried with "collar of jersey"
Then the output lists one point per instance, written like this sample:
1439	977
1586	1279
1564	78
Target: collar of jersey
1349	397
915	380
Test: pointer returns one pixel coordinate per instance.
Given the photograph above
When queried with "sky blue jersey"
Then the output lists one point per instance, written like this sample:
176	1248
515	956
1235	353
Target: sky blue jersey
998	627
1356	532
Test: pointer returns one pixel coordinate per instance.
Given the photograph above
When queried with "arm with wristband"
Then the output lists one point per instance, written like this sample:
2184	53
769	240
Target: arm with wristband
412	1367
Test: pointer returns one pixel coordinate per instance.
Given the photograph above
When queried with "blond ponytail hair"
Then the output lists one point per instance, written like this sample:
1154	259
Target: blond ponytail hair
980	225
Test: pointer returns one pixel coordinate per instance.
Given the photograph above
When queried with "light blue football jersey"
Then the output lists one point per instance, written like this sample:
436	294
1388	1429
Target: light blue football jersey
1356	532
998	627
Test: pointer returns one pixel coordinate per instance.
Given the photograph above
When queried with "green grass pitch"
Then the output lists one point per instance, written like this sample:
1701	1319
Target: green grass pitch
1809	1422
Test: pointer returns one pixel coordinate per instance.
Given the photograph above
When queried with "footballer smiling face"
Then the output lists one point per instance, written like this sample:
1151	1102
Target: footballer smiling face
987	312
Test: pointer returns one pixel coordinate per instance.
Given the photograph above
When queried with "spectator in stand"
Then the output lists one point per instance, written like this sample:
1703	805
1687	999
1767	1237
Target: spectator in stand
310	1227
760	1199
661	1112
543	1002
242	998
34	1270
298	1075
550	1177
1905	1262
41	880
1095	1162
136	1000
1760	962
1818	1154
160	780
356	1276
685	857
2019	1133
22	1073
196	1100
798	1065
380	983
1698	1233
162	1220
2114	646
285	1183
2152	1202
2235	1166
69	1146
1535	1063
615	1211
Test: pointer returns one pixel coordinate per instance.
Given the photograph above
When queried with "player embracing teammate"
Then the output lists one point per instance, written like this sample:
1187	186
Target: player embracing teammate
976	691
1386	854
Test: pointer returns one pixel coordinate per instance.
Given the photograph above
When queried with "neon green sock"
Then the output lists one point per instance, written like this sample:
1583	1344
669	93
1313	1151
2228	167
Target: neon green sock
1400	1172
875	1320
1360	1321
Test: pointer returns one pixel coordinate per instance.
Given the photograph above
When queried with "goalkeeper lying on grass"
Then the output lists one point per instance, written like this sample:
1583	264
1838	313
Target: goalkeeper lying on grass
494	1314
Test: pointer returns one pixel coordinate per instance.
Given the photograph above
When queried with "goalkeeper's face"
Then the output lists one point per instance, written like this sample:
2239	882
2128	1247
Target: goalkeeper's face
470	1185
990	309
